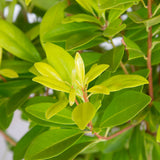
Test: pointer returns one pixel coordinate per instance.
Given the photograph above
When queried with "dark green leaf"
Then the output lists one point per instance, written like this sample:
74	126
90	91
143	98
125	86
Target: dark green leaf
123	108
18	99
14	41
63	31
107	4
133	49
51	143
113	58
114	28
137	139
23	144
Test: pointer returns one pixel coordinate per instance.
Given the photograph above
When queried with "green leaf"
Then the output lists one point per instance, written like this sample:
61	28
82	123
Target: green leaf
14	41
52	143
137	139
64	31
74	150
23	144
44	5
90	57
121	155
158	135
80	69
1	52
94	42
119	82
33	32
114	28
5	120
123	108
98	89
117	11
107	4
113	58
11	8
133	49
56	107
28	2
60	60
18	99
16	65
49	23
156	10
157	105
83	114
39	110
52	83
80	39
115	144
94	72
9	73
148	22
88	5
72	96
47	71
81	18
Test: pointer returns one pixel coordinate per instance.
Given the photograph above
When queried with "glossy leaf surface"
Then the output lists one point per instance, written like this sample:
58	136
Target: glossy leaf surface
51	143
14	41
83	114
123	108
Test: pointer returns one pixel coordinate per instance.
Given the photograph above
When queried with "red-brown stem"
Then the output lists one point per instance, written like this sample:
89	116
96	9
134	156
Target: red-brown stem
149	51
112	136
47	91
3	79
7	138
85	96
76	102
96	134
69	3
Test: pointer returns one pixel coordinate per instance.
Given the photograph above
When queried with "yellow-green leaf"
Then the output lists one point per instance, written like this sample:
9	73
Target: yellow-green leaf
158	135
1	51
52	83
47	70
72	96
60	60
83	114
8	73
27	2
55	108
98	89
95	71
119	82
80	68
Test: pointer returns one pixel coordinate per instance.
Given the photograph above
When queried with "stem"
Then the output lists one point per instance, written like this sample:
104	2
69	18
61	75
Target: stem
124	68
112	136
7	138
149	52
76	102
85	96
121	63
96	134
3	79
69	3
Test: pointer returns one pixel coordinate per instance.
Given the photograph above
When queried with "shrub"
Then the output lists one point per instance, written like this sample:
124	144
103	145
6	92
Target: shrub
92	68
